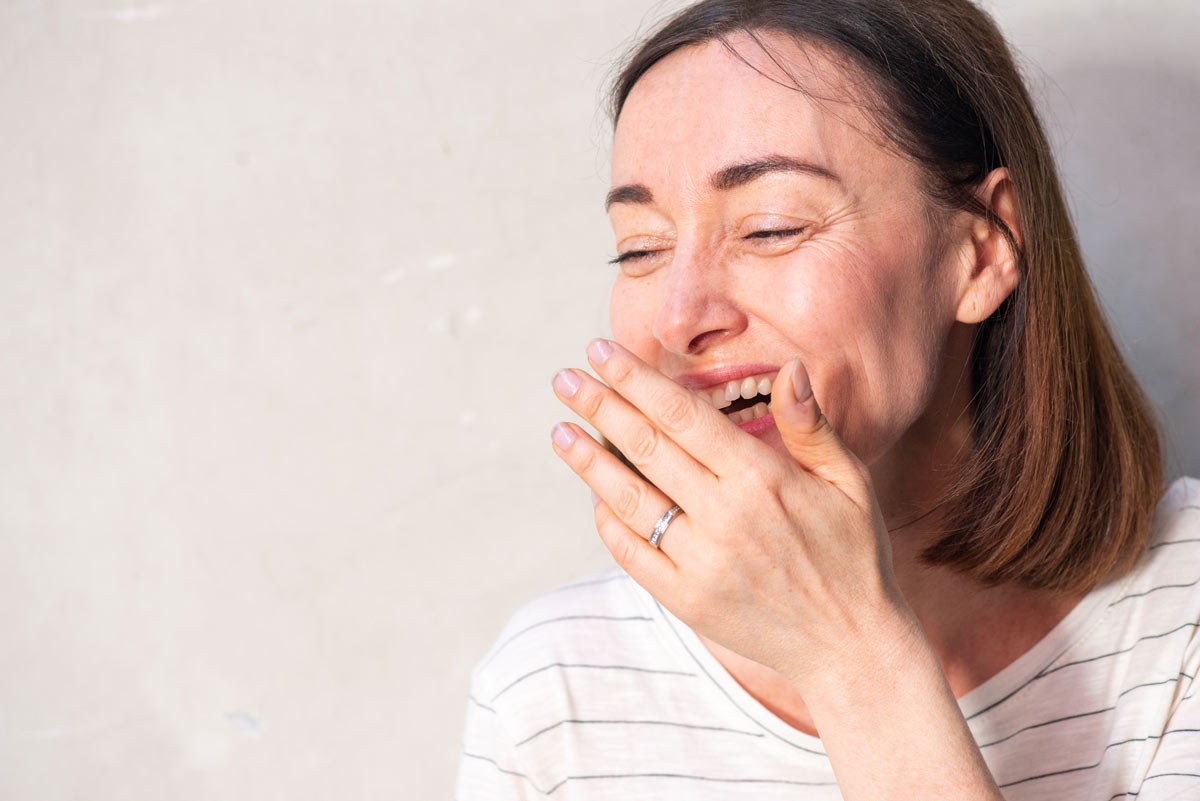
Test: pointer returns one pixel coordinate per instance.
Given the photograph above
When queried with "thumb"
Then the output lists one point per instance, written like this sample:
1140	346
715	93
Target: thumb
809	438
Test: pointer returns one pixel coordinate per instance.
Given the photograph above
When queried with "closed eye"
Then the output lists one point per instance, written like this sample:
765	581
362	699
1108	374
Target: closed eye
774	233
769	233
632	255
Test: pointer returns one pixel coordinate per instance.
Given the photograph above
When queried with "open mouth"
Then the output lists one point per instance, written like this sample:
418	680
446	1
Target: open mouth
742	400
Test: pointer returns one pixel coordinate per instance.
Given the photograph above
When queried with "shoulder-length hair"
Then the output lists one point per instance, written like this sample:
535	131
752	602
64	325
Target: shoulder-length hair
1059	489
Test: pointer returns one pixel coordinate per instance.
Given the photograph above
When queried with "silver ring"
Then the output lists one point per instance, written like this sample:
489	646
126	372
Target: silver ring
660	527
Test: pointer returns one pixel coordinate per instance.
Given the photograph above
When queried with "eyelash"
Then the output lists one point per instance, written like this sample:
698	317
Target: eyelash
773	233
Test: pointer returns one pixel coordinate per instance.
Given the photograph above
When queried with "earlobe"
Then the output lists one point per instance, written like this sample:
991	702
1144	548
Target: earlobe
992	271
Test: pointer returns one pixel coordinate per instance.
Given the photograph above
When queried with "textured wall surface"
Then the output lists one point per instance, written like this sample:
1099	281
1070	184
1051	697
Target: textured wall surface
282	285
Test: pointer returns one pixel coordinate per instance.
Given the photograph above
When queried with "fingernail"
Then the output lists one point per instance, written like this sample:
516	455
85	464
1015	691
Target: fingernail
566	382
595	499
800	382
562	435
599	351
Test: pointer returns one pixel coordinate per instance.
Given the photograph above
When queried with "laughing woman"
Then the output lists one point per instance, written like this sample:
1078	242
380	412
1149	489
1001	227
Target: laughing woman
887	503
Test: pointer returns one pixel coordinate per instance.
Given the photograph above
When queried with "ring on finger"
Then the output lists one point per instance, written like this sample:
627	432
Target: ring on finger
660	527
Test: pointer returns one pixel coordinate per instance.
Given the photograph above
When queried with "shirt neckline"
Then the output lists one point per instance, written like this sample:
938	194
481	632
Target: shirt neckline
1068	631
1085	614
1089	612
681	637
1064	634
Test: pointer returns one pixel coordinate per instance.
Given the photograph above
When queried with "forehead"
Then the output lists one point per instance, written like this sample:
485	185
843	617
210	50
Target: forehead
703	107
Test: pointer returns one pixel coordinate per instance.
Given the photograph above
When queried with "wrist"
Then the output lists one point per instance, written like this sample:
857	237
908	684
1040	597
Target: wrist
889	697
893	645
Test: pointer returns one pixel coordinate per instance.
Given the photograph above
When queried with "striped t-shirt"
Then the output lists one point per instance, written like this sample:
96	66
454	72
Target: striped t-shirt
595	691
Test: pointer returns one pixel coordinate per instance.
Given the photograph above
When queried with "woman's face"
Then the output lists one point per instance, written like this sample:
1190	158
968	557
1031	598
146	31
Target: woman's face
764	226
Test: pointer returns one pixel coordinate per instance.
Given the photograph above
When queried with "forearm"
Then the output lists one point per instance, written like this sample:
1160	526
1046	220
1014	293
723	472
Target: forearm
892	727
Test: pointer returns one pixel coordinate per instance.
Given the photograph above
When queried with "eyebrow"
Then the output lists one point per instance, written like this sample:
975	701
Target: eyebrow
728	178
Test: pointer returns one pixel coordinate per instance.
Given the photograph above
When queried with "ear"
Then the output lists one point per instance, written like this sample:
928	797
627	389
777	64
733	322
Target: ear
990	263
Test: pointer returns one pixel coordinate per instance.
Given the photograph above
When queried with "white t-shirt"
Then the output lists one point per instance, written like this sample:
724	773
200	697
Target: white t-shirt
594	691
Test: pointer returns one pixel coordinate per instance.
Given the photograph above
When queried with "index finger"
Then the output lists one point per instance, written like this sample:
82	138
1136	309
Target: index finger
689	419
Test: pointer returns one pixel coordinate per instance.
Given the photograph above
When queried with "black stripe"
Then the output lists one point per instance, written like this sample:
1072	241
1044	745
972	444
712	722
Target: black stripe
1149	737
1048	723
691	777
1048	671
553	726
1155	589
1190	506
1098	763
1085	714
717	684
1048	775
480	704
1148	778
1114	653
518	774
1153	684
520	679
1172	542
1160	775
1000	701
527	629
527	778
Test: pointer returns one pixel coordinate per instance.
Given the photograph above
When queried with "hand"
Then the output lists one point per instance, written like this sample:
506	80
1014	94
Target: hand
783	559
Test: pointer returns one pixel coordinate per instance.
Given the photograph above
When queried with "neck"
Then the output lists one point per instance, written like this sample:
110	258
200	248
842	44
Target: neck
975	629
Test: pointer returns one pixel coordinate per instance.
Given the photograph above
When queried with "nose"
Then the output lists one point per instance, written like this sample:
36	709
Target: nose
697	310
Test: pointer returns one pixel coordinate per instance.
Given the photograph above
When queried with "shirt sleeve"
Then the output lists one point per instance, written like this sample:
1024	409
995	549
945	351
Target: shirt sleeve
488	768
1174	772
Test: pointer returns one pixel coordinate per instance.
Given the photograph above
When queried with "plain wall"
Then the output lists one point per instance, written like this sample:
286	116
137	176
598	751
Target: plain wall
282	286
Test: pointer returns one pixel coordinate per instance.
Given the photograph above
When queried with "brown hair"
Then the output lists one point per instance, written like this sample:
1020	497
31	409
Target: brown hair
1059	489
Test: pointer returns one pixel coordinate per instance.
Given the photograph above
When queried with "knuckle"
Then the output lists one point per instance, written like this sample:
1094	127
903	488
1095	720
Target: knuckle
592	404
620	374
711	570
678	411
629	501
610	529
760	475
587	463
643	444
625	551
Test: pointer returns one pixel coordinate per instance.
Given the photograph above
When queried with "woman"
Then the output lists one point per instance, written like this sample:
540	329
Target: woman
888	518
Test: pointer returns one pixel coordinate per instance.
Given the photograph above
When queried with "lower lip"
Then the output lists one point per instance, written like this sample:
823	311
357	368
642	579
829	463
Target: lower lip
758	425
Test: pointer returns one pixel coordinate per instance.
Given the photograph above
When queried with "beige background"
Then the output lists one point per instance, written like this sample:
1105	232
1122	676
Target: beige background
282	285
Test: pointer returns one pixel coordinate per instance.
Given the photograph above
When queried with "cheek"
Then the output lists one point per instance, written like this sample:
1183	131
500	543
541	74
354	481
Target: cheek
868	321
631	312
839	298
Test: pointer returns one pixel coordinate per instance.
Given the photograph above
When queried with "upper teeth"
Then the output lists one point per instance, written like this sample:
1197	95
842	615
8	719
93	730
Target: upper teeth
744	388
